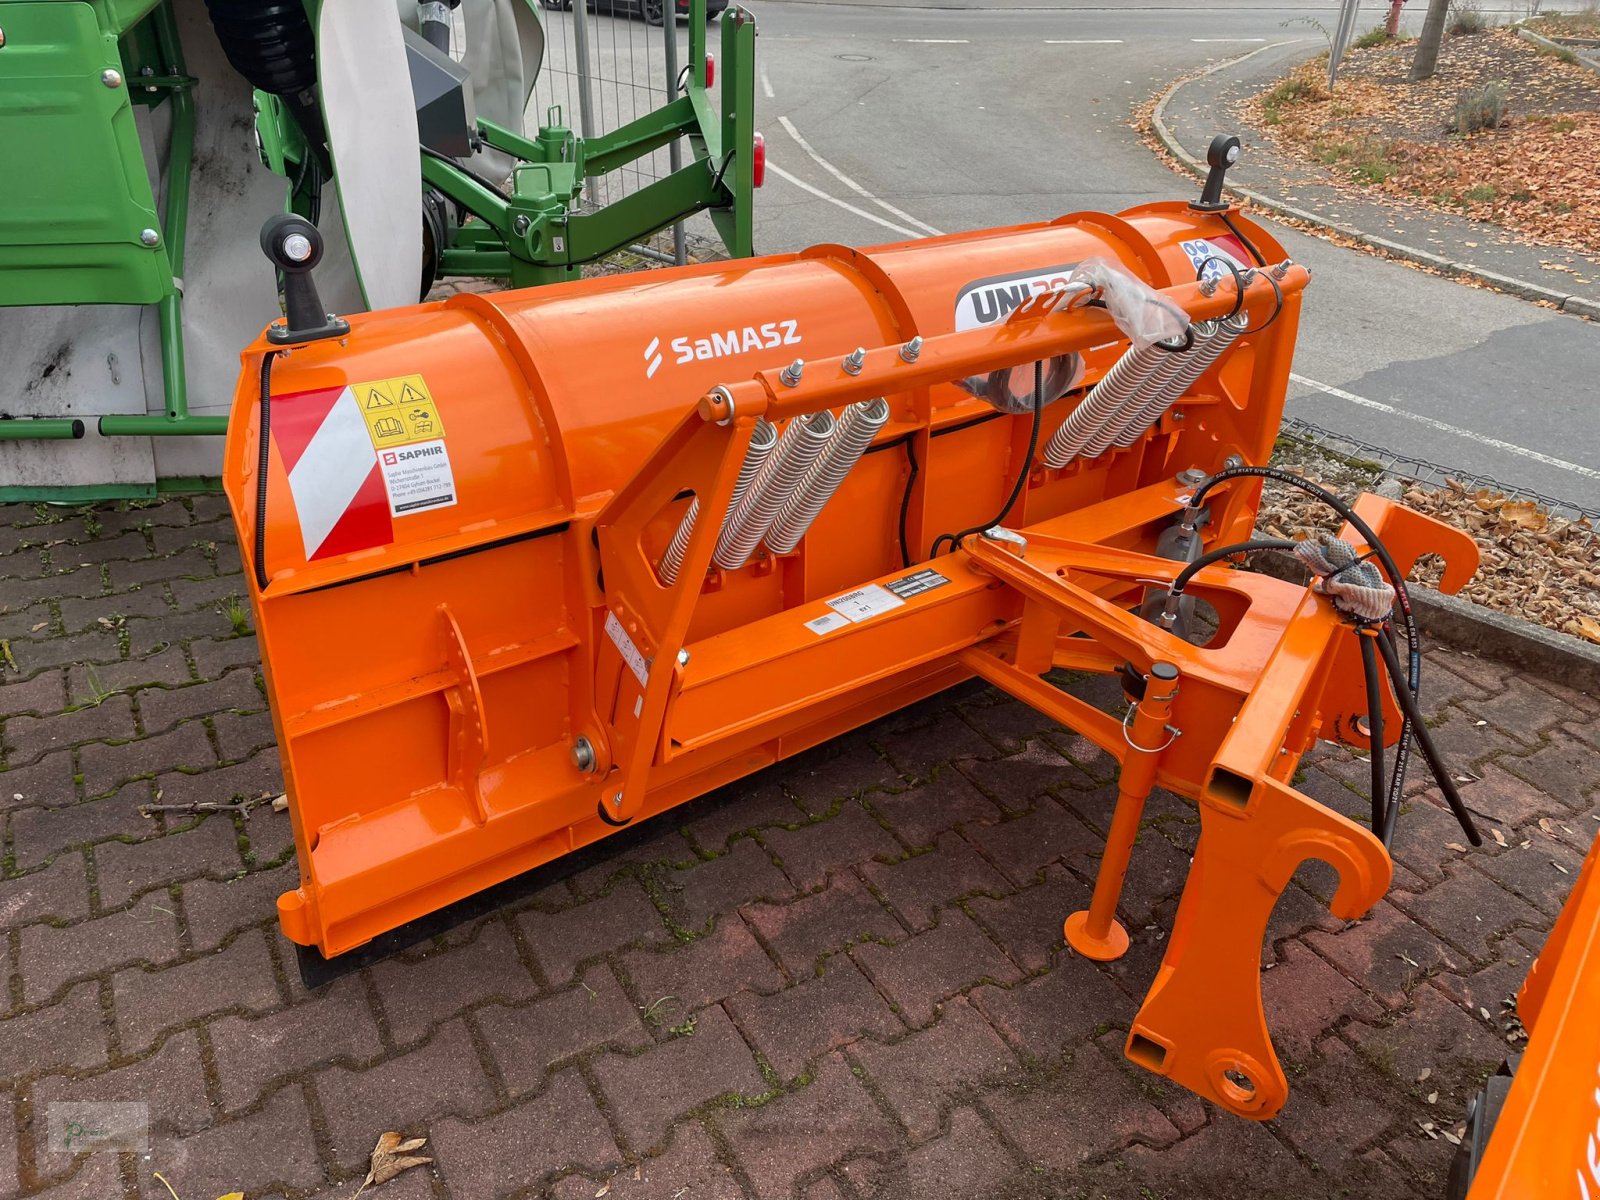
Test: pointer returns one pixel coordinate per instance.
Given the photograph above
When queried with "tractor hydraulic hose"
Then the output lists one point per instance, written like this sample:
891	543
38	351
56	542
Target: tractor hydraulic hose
1369	669
261	469
1220	553
1243	240
1022	471
1447	785
1402	758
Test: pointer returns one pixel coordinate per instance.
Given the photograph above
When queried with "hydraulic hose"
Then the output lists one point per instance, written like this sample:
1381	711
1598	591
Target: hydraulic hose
1369	669
261	469
1402	759
1022	471
1220	553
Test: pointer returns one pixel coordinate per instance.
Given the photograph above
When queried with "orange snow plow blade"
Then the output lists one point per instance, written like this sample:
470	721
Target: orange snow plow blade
536	565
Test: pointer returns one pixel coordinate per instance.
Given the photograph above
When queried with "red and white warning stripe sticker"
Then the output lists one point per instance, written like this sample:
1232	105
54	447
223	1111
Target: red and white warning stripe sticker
338	490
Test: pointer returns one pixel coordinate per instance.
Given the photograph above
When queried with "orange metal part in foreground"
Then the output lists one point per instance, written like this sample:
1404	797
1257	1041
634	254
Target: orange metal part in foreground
477	664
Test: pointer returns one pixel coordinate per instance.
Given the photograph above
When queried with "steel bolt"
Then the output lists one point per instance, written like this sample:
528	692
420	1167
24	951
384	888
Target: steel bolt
583	755
112	79
912	350
1282	269
149	237
791	374
617	800
852	365
1191	477
520	225
1208	286
683	658
1232	462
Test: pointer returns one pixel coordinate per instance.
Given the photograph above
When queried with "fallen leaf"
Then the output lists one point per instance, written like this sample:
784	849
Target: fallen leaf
232	1196
390	1156
1433	1097
1498	836
1424	1073
1456	846
1484	1013
1452	1138
604	1189
39	626
280	803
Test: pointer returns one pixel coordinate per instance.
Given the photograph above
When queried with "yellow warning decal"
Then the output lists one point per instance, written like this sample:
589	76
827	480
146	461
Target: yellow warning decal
398	411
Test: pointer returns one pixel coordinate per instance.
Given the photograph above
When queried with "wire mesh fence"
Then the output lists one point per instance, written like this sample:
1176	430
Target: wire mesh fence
1403	468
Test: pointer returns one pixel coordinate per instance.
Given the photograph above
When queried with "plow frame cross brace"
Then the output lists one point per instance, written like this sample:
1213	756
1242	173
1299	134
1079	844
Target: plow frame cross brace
1223	724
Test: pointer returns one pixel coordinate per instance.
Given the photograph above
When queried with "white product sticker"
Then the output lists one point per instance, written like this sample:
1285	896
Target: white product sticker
630	652
826	623
417	478
865	602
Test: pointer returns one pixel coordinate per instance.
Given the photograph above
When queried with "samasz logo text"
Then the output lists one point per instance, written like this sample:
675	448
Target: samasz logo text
723	343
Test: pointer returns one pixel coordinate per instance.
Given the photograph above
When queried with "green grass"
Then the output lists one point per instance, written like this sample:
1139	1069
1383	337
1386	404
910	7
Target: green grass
238	614
1290	91
1481	193
1376	36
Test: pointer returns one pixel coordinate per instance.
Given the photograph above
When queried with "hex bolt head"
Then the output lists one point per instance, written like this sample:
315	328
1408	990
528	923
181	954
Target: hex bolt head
149	237
583	755
854	362
791	374
520	225
112	79
1191	477
912	350
1232	462
683	658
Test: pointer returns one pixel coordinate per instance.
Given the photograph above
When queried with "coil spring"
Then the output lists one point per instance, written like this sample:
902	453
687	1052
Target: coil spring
269	42
802	440
762	440
1102	403
1209	346
857	427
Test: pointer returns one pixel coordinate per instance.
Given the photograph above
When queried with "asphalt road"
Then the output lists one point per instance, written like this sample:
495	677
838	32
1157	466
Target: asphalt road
888	121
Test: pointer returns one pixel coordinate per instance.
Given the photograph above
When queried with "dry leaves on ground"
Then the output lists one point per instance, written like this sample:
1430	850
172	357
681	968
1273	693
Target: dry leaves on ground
1534	173
392	1155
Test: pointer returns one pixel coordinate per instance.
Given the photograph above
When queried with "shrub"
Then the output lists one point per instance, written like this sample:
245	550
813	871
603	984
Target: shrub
1466	18
1376	36
1289	92
1481	109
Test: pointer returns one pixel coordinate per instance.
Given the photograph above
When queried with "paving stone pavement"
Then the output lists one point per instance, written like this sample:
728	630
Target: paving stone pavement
842	979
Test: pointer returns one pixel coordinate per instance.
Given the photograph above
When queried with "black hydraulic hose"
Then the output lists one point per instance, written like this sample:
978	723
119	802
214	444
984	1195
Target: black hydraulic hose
905	497
1402	757
1447	785
1221	552
1369	668
261	470
1243	241
1022	472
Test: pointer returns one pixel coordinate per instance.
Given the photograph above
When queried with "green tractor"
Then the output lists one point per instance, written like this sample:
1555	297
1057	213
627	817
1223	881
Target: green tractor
137	132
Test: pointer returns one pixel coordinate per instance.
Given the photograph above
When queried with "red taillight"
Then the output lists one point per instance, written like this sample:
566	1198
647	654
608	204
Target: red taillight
758	160
711	70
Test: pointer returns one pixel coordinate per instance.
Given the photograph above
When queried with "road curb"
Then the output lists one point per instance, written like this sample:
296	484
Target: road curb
1464	625
1583	60
1579	306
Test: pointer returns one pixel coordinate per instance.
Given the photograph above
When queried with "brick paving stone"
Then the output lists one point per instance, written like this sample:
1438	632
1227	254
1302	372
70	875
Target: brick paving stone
528	1040
123	870
270	835
801	931
215	908
29	738
213	656
210	593
1523	710
8	1145
1469	909
805	1131
1442	683
920	1073
1027	925
1005	721
1455	1047
1303	997
1490	987
808	855
1386	952
632	851
560	1129
1502	799
821	777
817	1015
45	693
38	654
69	1034
1156	874
1015	781
705	971
145	635
48	781
1049	1014
59	892
239	735
413	1184
1563	768
164	668
562	940
1422	837
444	1077
17	590
740	808
694	895
1542	872
51	956
970	1160
35	621
946	739
922	883
1331	1115
128	546
420	990
260	774
334	1025
645	1094
920	813
87	612
272	1147
38	834
1088	1108
688	1168
105	767
97	1177
238	977
171	1081
1026	844
920	972
162	708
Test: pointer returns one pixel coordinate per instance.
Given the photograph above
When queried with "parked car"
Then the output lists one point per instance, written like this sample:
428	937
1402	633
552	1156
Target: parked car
653	11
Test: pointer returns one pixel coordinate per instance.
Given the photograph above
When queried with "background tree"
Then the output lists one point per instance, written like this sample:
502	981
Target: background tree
1426	60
